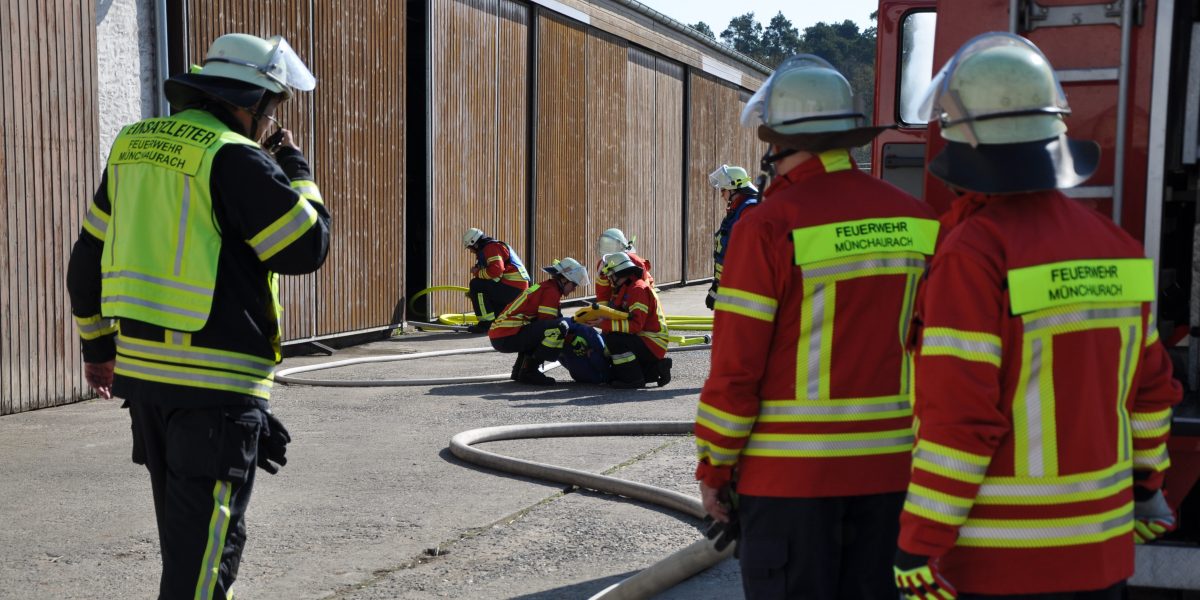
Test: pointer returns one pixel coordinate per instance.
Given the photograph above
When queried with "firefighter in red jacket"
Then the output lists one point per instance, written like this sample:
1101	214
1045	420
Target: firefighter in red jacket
1043	397
532	325
610	242
807	402
740	196
638	345
497	278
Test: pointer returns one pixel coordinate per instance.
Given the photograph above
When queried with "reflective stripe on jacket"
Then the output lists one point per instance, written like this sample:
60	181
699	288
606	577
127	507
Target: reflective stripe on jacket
1040	389
646	319
808	395
539	301
497	261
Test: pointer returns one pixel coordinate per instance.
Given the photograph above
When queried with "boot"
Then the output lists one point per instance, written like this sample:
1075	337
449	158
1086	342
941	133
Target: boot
530	374
516	370
664	371
627	376
479	327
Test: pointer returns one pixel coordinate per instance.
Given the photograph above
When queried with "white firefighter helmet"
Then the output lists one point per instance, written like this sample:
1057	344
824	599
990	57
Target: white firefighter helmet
729	177
238	68
1000	106
997	89
570	269
471	237
619	264
613	240
806	104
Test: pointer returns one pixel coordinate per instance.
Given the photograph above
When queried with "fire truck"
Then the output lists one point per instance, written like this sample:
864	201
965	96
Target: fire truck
1131	71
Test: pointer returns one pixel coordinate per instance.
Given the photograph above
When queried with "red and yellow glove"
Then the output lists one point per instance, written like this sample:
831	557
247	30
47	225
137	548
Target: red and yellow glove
917	578
1152	517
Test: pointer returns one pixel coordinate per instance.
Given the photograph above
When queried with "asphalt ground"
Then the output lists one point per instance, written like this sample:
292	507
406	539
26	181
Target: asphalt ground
372	505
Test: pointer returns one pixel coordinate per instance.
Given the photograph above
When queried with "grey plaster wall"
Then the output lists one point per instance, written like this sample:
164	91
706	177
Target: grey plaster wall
128	82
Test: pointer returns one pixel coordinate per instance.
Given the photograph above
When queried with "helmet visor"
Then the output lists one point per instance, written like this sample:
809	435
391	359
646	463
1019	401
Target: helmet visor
942	103
757	108
296	74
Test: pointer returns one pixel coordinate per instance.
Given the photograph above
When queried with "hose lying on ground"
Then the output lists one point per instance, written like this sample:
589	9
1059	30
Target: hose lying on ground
656	578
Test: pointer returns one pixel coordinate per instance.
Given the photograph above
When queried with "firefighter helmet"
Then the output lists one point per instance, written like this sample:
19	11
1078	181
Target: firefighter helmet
471	237
728	177
619	264
1000	107
807	105
238	68
569	269
613	240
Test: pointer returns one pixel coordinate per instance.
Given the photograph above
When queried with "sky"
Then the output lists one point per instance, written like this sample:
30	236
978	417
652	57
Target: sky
802	13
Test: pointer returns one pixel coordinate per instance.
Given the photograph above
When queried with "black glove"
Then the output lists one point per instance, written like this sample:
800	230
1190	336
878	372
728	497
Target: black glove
723	534
274	141
272	445
711	298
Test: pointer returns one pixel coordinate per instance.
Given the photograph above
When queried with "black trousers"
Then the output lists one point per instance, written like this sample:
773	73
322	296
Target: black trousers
202	467
489	297
530	340
630	343
819	548
1115	592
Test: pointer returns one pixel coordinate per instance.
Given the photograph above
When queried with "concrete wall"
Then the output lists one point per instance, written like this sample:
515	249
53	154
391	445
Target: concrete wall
125	56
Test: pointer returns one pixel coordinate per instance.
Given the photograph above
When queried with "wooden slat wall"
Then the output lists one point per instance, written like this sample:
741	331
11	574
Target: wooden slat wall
360	160
607	189
668	175
560	222
641	163
716	138
48	172
352	131
478	91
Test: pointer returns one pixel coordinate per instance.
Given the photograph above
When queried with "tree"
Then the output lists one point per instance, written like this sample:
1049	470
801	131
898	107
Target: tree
744	34
780	40
704	29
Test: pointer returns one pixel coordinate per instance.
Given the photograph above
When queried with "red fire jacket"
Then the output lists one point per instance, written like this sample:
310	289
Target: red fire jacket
1040	387
604	286
498	265
537	302
808	395
646	318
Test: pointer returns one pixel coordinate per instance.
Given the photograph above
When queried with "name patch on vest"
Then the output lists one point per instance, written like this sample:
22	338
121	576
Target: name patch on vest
163	143
850	238
1077	281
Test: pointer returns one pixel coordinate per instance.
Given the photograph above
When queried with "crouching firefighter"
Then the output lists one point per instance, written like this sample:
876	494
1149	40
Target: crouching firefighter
610	242
532	326
181	247
497	278
638	345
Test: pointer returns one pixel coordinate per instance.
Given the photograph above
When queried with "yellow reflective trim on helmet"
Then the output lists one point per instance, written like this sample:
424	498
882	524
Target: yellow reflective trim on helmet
1081	281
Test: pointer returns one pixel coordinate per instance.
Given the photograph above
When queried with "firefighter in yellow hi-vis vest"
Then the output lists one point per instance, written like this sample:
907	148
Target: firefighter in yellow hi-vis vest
174	290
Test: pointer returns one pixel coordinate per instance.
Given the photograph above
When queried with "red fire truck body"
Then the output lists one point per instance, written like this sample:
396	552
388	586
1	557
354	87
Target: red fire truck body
1131	71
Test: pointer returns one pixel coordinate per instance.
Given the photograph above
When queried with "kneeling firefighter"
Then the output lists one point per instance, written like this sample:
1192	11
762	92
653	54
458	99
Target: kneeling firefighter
610	242
638	345
532	325
497	278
